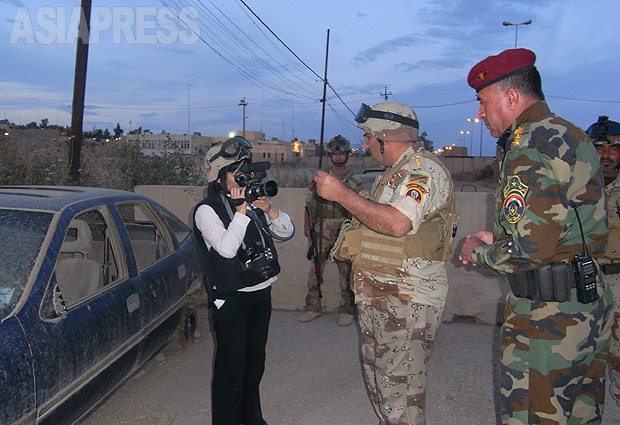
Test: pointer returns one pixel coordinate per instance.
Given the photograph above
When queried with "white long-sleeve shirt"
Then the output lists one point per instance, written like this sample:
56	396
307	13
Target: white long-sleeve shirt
226	241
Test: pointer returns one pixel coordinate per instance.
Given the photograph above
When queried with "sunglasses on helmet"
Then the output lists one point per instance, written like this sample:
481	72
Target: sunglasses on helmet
337	143
232	148
366	112
603	128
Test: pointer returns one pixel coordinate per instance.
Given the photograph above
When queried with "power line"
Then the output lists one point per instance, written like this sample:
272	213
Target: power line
583	100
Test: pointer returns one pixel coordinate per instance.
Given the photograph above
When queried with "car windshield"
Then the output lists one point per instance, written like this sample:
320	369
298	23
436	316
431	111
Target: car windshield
21	233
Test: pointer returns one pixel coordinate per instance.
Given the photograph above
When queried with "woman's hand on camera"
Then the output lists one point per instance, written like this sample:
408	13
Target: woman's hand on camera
264	203
239	193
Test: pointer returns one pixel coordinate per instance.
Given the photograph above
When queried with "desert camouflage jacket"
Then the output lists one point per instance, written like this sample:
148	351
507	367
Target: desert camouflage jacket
549	173
612	252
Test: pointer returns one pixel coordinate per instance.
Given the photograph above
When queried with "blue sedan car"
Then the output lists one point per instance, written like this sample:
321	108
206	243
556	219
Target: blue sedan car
93	283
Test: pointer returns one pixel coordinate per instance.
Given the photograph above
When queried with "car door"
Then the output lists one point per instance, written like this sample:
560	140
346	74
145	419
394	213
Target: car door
17	388
92	340
159	271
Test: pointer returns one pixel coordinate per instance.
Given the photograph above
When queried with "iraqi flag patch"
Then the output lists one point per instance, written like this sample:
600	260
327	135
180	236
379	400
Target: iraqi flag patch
514	199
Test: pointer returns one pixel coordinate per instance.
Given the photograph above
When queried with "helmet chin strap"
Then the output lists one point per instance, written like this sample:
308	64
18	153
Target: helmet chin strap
382	150
339	164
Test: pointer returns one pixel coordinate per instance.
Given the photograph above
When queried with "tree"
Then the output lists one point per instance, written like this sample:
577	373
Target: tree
44	122
118	131
428	144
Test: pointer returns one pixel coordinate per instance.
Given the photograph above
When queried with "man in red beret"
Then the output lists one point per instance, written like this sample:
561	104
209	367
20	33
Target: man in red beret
550	224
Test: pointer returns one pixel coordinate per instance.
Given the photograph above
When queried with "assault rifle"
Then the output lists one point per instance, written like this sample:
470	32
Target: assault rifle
313	251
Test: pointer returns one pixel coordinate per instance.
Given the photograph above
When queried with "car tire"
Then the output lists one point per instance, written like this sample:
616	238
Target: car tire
186	332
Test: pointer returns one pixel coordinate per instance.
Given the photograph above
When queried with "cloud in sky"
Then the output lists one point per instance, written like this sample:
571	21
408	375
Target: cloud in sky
420	51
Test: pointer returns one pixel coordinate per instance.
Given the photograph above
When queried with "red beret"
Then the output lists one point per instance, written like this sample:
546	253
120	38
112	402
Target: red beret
495	68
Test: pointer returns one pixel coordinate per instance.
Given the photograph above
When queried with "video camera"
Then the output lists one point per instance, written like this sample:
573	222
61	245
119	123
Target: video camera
251	177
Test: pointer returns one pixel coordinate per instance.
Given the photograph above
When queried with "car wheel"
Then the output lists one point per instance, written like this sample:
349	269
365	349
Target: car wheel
186	333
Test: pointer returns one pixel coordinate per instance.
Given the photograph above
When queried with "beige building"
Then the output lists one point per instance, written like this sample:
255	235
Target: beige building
158	144
272	150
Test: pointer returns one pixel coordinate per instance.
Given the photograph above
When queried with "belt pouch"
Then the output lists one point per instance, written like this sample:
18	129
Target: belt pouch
518	284
545	282
532	285
561	289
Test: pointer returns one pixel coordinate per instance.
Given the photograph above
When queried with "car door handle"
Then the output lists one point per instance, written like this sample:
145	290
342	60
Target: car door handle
133	303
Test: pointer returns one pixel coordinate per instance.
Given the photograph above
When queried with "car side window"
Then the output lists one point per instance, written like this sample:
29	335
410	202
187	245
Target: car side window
180	229
89	258
149	236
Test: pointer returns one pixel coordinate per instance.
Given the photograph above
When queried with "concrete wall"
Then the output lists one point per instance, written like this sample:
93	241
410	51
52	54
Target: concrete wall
475	294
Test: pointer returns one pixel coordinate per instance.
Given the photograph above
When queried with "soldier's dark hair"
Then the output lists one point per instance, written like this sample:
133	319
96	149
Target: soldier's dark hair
527	82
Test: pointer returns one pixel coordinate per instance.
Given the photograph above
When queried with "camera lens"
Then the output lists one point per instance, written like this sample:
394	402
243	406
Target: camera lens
253	192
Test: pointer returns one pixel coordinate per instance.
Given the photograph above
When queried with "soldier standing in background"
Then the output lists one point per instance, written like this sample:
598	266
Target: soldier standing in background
398	242
332	214
605	135
550	209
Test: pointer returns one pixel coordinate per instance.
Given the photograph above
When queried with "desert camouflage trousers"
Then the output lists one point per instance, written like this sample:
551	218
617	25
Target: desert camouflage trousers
614	345
313	302
397	339
553	360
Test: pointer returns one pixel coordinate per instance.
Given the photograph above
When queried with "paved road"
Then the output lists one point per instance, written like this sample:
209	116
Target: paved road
314	377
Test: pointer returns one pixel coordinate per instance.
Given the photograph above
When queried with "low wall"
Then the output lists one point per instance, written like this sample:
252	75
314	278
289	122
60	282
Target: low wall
475	294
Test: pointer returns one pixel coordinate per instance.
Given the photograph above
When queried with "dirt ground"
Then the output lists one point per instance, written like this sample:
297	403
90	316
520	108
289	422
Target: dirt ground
313	377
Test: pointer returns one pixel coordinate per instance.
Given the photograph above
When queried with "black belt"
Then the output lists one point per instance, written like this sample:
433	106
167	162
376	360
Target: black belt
552	282
613	268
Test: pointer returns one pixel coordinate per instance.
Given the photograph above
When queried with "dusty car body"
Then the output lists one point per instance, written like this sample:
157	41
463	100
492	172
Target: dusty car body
93	283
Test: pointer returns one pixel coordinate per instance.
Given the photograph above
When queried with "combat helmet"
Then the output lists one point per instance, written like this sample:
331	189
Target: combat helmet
391	121
338	144
221	155
601	131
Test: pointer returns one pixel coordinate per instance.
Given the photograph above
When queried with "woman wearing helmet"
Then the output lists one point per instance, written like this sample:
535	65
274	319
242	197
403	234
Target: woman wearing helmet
241	263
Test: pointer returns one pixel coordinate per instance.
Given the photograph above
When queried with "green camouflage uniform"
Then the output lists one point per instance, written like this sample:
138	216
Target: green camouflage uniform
611	263
554	354
399	316
333	215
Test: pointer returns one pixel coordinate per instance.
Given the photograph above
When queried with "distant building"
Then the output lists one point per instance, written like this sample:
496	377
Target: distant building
158	144
452	151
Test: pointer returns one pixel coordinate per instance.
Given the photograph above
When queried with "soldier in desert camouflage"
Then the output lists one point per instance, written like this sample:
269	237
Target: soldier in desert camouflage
332	215
605	135
398	242
553	347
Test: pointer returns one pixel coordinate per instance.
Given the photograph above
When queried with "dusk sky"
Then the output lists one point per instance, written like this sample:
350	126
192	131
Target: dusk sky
143	62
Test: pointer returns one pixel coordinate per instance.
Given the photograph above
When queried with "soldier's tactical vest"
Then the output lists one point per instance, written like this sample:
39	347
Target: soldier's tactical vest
381	254
331	209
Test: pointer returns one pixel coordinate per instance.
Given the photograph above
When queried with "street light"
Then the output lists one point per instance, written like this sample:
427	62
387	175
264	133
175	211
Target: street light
465	132
475	120
508	24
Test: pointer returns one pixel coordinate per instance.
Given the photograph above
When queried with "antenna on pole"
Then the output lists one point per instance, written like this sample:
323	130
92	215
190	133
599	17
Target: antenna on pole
385	94
244	104
323	101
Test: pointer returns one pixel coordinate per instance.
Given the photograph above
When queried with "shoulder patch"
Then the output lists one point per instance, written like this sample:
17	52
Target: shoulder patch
514	199
417	186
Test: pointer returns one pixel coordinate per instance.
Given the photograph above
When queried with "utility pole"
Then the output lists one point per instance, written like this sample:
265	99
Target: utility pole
385	94
243	103
188	121
79	92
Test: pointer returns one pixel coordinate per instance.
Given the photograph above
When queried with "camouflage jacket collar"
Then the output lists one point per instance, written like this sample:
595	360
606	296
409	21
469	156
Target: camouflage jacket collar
530	114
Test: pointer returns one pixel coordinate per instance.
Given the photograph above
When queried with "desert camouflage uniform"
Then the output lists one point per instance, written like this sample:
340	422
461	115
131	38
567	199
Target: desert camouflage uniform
611	263
333	215
399	316
554	354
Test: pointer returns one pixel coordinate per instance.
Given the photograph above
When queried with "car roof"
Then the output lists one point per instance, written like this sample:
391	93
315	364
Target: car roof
55	198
